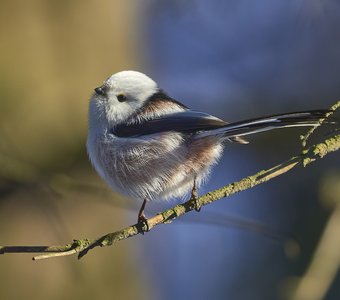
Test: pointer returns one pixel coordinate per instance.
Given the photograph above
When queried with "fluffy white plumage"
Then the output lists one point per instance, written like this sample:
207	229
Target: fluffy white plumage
156	166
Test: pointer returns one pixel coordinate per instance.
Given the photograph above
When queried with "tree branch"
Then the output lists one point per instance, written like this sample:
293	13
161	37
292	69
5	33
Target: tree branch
82	246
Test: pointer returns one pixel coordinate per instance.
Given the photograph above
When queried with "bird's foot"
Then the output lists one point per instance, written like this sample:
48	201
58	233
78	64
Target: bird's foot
194	197
142	220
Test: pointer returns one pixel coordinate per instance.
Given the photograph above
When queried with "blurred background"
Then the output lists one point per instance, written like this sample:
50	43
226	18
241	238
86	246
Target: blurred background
233	59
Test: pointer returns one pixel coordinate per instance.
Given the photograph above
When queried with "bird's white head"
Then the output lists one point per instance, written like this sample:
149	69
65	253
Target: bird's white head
121	95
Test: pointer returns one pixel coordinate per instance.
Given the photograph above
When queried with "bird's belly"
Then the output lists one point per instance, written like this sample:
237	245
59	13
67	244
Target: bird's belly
156	169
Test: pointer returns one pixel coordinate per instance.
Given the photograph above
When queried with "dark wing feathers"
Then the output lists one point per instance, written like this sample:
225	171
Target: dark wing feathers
186	122
192	122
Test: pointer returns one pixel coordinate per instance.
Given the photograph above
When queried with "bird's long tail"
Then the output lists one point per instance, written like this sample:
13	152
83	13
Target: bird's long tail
239	129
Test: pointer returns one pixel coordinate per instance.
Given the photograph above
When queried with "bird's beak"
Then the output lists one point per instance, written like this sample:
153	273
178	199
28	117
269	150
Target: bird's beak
101	90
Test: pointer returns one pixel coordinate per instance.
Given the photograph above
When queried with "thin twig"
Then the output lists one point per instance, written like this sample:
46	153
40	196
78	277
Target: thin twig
304	138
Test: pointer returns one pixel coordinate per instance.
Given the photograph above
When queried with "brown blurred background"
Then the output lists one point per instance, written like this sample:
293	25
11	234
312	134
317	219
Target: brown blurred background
53	53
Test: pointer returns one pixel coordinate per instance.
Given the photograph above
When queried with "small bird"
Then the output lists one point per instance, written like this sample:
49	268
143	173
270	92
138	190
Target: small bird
148	146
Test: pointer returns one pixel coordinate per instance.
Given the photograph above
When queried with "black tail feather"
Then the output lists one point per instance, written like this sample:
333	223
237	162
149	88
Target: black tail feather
251	126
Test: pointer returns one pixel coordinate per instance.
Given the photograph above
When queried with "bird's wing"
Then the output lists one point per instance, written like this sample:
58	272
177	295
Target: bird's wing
187	121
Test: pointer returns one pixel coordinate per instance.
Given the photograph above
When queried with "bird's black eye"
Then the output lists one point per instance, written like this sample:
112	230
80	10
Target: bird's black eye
121	98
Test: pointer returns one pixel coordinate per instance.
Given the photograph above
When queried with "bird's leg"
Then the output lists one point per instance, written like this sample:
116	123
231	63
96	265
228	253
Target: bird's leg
194	196
141	216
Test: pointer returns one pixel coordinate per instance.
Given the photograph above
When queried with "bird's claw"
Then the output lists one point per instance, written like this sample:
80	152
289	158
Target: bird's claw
194	198
143	222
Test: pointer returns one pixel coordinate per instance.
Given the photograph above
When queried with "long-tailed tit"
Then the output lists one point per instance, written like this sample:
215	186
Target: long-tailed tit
148	146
